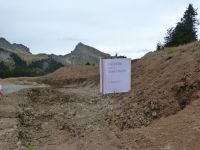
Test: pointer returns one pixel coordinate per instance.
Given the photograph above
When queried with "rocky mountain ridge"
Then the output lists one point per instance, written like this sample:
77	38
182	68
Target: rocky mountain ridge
81	55
16	59
4	44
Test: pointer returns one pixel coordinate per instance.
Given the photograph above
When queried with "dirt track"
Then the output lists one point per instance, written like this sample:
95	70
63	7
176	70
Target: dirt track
11	88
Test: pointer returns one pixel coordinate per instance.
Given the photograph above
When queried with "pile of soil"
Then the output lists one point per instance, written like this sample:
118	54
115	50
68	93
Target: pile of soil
70	75
52	116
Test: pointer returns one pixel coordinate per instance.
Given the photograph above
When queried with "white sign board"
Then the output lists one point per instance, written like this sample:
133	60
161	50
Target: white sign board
115	75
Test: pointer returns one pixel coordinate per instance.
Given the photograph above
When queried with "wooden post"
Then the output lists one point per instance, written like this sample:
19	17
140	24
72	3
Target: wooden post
113	110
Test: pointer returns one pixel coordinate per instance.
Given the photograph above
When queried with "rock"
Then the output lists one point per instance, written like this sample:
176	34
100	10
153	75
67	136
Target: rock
154	114
139	93
19	143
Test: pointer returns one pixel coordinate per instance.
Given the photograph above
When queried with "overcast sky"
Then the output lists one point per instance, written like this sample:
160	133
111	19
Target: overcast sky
126	27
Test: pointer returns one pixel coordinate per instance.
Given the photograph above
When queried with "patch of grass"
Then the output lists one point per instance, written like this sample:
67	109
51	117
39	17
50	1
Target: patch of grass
193	47
30	147
3	50
166	52
29	58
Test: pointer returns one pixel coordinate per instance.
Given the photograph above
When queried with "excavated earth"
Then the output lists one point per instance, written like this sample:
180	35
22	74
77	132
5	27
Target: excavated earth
64	110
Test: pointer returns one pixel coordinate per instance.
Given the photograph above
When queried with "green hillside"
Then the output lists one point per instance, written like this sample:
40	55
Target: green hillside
14	66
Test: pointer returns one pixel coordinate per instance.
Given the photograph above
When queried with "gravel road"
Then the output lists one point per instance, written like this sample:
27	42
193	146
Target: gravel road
10	88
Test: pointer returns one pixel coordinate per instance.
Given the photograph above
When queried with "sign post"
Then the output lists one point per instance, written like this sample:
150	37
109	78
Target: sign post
113	110
115	77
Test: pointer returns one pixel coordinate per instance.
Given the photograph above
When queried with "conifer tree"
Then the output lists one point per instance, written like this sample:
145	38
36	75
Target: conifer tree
185	30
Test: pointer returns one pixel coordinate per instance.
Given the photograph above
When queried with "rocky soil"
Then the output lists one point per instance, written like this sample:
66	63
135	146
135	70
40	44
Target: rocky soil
79	118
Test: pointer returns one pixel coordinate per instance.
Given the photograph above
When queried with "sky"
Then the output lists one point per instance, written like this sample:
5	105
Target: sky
126	27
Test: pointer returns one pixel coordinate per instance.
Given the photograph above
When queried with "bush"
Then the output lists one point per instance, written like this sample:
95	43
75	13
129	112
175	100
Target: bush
87	64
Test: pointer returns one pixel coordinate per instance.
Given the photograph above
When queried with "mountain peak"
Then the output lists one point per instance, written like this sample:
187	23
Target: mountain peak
83	54
80	46
3	41
13	47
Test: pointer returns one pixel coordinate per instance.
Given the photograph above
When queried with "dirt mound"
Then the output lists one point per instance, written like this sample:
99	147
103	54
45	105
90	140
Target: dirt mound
72	74
162	85
74	71
51	116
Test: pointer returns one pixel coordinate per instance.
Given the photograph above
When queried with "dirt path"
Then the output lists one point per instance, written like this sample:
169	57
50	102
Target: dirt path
11	88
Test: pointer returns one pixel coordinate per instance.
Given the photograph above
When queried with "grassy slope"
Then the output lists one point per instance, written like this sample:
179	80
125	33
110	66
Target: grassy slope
25	64
29	58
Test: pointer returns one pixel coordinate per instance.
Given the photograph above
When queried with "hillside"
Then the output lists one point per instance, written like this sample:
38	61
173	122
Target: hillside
18	48
81	55
22	51
12	65
71	74
65	108
16	60
163	83
11	55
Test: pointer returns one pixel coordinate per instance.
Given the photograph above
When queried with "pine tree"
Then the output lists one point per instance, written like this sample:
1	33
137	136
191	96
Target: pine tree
169	38
185	30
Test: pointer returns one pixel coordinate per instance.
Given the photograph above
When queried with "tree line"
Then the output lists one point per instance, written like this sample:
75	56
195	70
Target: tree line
184	32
